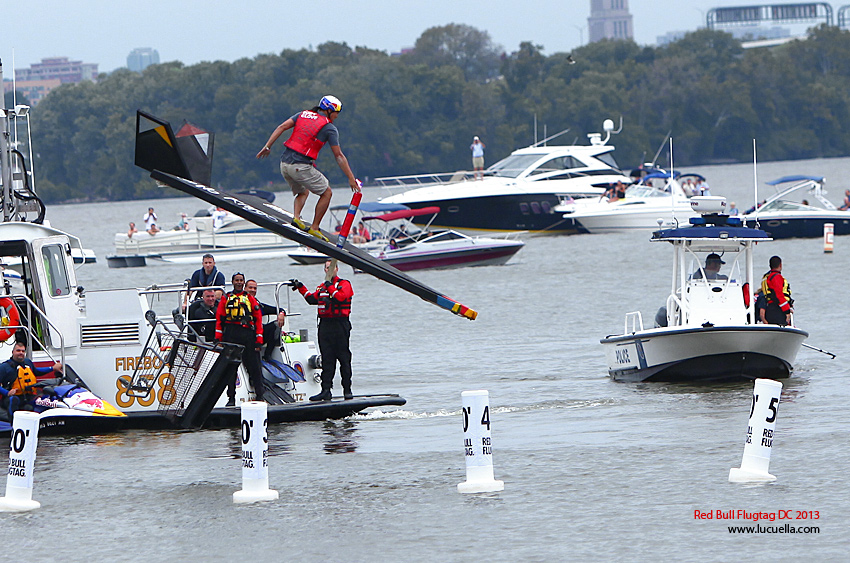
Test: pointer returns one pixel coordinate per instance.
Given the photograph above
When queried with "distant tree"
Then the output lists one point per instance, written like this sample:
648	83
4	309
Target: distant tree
458	45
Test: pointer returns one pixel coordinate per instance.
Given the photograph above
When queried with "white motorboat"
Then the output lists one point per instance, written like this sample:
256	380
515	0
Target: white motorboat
799	210
518	193
117	345
226	235
707	329
658	201
398	241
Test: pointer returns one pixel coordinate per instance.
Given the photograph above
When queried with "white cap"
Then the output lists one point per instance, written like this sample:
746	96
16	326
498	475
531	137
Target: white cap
475	138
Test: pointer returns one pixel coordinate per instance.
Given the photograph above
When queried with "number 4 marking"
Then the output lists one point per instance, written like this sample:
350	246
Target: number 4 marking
485	418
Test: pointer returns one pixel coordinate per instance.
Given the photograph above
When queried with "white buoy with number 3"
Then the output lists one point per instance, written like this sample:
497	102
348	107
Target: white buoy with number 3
760	432
21	464
255	450
478	445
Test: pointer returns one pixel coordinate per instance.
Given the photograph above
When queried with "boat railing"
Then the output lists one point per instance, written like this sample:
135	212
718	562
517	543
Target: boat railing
419	180
674	310
634	320
31	335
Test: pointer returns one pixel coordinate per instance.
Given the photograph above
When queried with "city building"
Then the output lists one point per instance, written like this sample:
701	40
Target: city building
34	90
141	58
67	71
609	19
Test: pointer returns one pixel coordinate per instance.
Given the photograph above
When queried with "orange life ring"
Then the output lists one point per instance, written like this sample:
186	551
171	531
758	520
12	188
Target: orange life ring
10	317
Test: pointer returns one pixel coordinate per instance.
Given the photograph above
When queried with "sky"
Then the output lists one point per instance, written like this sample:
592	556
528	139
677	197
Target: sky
191	31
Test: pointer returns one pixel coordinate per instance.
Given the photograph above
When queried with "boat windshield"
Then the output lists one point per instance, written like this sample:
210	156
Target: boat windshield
513	166
782	205
645	192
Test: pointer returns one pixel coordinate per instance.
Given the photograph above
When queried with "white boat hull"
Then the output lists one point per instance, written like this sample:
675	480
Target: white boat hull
698	354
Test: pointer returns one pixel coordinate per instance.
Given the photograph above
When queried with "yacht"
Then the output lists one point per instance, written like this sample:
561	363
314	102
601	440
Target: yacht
518	193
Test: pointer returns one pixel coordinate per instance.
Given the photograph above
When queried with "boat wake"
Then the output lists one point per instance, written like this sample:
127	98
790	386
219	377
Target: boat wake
402	414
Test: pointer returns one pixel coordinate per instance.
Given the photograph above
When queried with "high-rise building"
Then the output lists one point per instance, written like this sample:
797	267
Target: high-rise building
141	58
68	72
609	19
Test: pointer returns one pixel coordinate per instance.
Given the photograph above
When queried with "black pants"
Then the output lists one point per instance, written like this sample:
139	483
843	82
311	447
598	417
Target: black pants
271	338
774	315
334	334
238	334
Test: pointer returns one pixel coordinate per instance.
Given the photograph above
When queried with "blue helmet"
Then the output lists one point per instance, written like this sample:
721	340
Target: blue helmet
330	103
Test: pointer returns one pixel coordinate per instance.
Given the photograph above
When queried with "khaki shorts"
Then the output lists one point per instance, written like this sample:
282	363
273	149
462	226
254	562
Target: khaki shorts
303	177
478	162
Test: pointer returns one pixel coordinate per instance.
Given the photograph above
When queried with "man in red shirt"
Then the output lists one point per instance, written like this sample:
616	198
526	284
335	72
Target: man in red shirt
778	294
311	129
334	300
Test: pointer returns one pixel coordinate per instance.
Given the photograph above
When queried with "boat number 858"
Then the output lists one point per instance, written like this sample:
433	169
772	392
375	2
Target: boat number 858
623	356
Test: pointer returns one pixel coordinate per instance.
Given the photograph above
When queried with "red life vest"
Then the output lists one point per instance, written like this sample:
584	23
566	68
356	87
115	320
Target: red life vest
335	309
303	139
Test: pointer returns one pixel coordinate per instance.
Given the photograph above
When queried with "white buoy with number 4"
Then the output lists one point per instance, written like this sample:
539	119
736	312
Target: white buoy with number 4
760	433
21	464
477	444
255	450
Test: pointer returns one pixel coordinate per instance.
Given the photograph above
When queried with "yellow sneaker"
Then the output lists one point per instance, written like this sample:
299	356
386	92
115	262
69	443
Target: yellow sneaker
299	224
317	234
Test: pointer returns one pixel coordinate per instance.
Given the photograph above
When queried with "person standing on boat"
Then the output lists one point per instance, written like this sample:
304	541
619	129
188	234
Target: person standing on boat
334	300
132	230
712	268
311	129
238	320
206	276
477	148
150	219
271	329
777	292
17	375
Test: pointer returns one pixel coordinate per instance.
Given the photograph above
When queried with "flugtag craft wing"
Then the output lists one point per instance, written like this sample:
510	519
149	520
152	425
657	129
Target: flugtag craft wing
277	220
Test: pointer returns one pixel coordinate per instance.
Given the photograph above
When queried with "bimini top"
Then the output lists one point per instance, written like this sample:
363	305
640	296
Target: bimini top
710	228
786	179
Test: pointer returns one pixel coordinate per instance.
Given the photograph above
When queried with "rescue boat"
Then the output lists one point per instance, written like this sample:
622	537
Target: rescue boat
707	331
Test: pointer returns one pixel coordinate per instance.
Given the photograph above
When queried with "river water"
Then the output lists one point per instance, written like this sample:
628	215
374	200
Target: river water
594	470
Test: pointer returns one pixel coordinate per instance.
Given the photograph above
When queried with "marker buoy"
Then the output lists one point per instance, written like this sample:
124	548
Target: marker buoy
21	464
828	233
477	444
255	448
760	432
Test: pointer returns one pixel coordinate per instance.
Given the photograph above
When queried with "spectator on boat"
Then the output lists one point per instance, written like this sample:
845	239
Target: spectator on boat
238	320
846	204
271	330
733	211
150	219
202	316
334	300
17	376
206	276
183	223
132	230
311	129
393	245
702	188
477	148
777	292
218	217
153	229
712	268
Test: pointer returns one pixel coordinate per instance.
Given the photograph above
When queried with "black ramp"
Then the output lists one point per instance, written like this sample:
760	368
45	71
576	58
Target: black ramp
277	220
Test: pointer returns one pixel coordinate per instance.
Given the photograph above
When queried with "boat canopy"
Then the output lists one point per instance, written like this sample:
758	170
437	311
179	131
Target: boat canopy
733	234
404	214
375	207
798	178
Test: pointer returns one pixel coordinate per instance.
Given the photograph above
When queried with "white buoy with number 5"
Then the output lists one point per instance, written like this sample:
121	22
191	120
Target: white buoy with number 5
21	464
477	444
255	450
760	432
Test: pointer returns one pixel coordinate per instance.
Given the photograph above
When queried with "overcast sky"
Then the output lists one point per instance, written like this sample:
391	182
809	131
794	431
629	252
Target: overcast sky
105	31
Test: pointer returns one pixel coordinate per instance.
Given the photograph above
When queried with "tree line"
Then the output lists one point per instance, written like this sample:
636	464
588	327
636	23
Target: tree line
418	112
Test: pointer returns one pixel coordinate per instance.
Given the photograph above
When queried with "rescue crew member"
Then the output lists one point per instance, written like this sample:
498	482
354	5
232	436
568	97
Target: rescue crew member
334	300
311	129
238	320
206	276
778	294
271	330
202	315
17	377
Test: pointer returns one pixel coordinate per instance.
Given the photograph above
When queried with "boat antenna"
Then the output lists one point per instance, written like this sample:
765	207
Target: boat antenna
14	95
755	185
535	130
549	138
670	185
660	147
